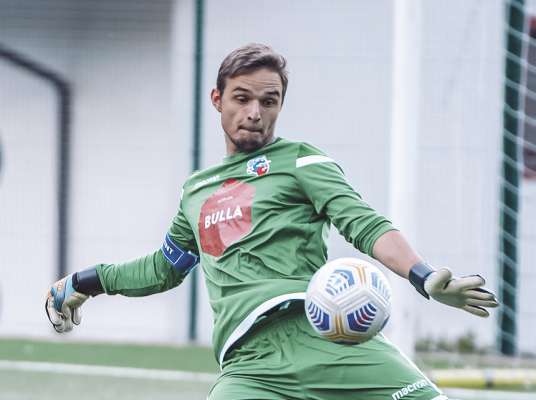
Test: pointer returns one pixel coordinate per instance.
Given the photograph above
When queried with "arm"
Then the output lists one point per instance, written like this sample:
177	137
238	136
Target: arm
393	251
157	272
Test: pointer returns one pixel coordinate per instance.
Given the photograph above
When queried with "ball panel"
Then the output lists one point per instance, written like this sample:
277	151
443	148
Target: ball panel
318	317
339	281
362	318
380	285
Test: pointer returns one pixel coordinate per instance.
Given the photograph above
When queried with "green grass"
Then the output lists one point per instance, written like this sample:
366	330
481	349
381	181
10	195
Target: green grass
196	359
16	385
25	385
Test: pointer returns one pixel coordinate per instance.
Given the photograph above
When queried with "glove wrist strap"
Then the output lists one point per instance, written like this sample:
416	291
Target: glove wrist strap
417	276
87	282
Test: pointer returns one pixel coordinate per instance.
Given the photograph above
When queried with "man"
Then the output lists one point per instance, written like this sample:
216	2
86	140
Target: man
258	222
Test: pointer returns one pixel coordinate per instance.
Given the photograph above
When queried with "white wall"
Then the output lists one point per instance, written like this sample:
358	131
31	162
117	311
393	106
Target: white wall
460	137
27	198
527	273
527	252
128	161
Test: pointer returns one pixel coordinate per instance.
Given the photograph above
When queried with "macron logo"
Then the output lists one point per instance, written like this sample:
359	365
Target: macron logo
409	389
205	182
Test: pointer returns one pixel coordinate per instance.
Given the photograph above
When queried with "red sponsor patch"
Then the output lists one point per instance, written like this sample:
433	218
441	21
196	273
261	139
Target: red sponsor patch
225	216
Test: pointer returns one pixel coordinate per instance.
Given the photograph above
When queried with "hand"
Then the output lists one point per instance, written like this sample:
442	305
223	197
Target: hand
63	305
465	292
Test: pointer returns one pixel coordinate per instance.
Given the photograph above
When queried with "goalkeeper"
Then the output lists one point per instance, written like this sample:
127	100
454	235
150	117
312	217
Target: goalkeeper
257	225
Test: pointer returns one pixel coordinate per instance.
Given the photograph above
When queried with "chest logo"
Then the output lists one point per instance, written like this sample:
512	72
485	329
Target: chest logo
225	217
258	166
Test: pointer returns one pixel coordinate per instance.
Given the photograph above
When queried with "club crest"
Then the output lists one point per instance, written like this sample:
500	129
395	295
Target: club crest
258	166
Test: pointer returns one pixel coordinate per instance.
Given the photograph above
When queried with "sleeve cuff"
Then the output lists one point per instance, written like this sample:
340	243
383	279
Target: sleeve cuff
384	228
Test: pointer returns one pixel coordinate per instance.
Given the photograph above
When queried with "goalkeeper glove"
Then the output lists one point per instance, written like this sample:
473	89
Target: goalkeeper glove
67	295
464	292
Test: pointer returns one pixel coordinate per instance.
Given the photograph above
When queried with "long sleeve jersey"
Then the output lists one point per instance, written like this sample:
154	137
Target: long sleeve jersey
259	223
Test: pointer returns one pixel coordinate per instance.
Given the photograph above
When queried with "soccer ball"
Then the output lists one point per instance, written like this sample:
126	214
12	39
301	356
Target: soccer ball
348	301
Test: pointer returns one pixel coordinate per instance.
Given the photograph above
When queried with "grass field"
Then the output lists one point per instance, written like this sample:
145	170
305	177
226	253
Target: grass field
48	382
24	385
33	370
200	359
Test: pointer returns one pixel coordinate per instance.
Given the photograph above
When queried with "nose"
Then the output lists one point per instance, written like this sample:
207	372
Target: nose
254	111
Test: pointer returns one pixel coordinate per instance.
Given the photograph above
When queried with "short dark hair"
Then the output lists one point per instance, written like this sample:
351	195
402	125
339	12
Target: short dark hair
249	58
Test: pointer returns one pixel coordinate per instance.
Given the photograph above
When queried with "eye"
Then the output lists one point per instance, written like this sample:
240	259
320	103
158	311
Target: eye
241	99
269	102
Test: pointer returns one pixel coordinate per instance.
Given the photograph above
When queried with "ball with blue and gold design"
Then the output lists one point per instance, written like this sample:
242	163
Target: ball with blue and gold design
348	301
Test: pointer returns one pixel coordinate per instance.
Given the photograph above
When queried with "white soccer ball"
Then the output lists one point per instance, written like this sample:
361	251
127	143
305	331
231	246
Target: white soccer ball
348	301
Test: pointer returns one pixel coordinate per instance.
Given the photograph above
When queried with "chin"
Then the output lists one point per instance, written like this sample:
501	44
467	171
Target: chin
249	146
249	142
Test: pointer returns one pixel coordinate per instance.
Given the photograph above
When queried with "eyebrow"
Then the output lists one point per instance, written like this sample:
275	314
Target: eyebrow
270	93
274	93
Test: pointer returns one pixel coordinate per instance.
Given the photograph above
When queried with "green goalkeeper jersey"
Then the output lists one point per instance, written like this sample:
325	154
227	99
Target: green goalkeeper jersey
259	223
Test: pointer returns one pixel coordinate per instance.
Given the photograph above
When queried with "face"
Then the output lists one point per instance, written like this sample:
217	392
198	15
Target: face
249	107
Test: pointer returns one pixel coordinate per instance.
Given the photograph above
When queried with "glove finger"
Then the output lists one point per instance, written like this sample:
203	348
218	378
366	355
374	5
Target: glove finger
68	325
55	319
481	303
437	281
77	315
60	327
481	294
53	316
467	282
67	314
475	310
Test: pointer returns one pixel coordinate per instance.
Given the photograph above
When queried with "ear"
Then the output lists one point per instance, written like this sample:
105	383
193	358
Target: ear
215	96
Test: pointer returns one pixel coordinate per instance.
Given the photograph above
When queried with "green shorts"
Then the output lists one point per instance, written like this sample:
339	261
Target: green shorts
283	358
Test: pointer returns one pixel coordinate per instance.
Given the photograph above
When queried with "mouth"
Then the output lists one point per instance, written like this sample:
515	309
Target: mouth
250	130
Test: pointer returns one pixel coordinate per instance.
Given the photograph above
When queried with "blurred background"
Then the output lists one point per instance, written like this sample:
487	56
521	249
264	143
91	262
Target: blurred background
428	106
